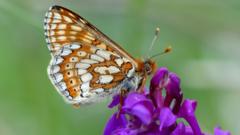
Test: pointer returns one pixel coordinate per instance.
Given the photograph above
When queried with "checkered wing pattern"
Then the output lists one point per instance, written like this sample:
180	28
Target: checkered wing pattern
85	64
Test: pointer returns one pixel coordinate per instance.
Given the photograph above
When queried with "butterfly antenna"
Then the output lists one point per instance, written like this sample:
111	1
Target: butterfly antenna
156	35
166	50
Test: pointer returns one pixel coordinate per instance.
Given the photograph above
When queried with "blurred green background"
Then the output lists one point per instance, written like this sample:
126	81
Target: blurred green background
205	36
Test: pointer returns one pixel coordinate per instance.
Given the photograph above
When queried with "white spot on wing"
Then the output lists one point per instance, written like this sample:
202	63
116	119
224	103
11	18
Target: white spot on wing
113	69
75	46
67	19
76	28
104	70
65	52
88	61
85	87
96	57
101	70
51	33
57	60
62	26
103	54
62	38
62	86
53	39
66	93
54	69
86	77
57	77
61	32
72	32
81	71
57	15
125	60
55	21
69	97
53	26
105	79
82	65
99	90
119	61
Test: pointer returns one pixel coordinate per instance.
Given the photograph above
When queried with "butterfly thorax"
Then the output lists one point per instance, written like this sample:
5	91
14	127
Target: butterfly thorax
145	67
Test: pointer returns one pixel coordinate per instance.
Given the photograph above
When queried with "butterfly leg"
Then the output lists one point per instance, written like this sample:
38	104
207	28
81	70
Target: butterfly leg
123	94
141	88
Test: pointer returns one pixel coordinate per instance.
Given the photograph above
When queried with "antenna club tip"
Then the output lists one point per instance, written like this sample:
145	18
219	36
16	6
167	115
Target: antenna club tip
168	49
157	31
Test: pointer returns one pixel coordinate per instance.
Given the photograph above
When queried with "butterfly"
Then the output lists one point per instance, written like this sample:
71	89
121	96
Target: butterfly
87	65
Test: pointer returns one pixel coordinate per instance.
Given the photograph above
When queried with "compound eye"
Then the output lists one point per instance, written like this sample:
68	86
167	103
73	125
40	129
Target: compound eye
148	69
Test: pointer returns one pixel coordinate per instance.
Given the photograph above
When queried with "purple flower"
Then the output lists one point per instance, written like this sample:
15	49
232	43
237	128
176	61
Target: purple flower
155	113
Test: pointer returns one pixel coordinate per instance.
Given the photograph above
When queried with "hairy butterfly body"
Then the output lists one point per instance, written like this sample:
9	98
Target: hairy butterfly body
87	65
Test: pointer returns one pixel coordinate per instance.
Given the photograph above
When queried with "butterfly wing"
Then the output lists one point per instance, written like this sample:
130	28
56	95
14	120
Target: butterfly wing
85	63
63	26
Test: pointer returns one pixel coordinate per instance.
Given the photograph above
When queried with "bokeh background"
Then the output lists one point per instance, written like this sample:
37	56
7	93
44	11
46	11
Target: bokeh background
205	36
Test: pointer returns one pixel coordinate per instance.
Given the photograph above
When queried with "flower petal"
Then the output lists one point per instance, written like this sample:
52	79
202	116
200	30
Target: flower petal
142	110
152	129
115	101
179	130
188	107
173	91
219	131
133	98
160	78
158	82
187	112
166	117
134	122
125	131
114	123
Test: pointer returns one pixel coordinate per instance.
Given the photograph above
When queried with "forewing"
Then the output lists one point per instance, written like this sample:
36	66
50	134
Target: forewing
63	26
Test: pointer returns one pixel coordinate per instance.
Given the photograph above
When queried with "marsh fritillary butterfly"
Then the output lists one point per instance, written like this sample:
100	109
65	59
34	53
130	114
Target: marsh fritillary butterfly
86	64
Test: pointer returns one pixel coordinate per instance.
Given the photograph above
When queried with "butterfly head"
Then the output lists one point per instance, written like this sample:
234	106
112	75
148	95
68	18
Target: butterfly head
147	66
